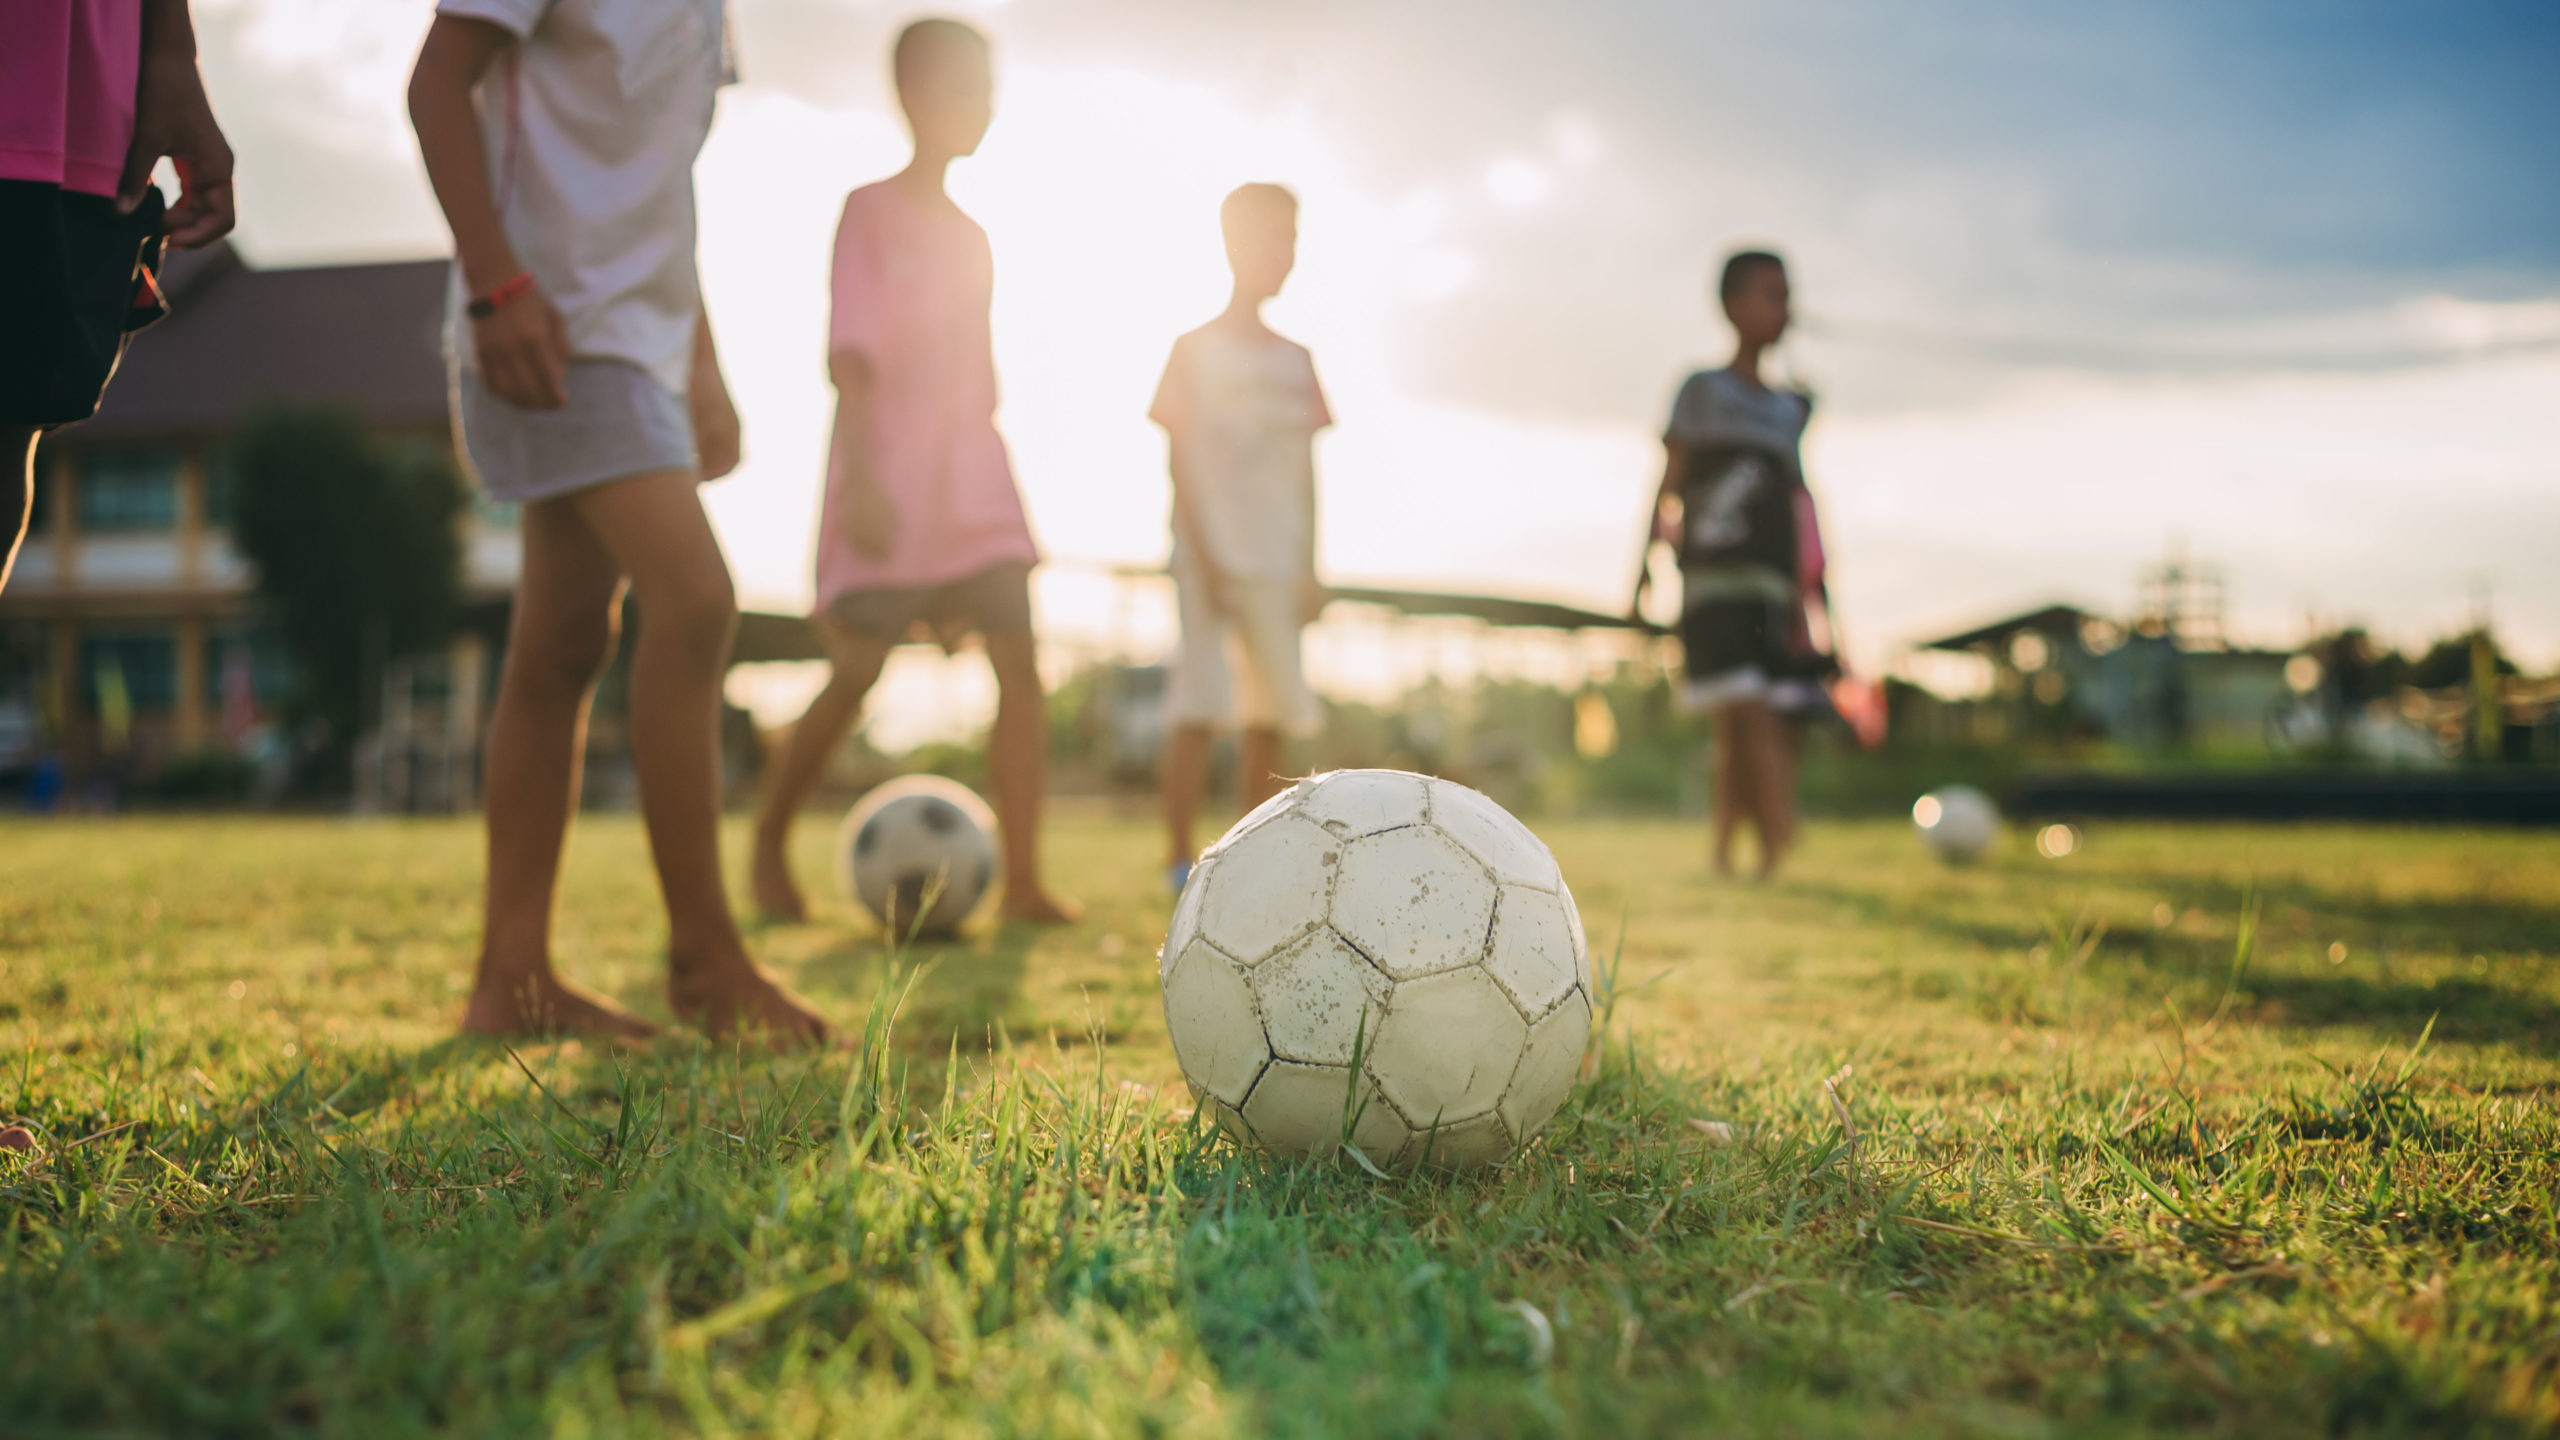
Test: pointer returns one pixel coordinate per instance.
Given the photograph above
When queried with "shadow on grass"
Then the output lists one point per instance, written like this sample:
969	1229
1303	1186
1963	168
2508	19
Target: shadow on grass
2466	1008
2462	1008
2455	925
1888	912
969	989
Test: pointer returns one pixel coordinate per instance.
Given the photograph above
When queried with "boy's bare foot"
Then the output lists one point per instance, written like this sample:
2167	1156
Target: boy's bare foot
542	1003
733	994
1039	907
777	894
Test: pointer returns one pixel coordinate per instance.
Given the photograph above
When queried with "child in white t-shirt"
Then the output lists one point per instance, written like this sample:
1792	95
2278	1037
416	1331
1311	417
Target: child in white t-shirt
1241	407
560	137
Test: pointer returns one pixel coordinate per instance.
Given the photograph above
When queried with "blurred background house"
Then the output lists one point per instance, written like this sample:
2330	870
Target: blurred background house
131	644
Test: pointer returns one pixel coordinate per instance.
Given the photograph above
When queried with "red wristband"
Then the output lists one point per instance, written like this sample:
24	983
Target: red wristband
484	306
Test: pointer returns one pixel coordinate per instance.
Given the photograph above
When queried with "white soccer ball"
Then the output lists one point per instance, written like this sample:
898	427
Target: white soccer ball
1957	822
916	838
1384	957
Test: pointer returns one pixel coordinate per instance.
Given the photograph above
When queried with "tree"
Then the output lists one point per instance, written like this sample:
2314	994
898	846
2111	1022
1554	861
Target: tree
358	551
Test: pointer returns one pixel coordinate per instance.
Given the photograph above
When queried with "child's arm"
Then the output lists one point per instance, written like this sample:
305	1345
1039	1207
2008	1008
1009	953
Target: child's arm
523	347
869	519
717	443
171	117
1312	594
1659	527
1311	589
1172	410
1186	525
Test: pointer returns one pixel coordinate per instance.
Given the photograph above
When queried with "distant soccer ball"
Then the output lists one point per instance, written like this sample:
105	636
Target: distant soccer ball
1382	954
1957	822
916	839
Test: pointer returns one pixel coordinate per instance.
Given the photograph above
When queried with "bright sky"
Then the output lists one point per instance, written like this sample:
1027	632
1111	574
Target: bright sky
2281	288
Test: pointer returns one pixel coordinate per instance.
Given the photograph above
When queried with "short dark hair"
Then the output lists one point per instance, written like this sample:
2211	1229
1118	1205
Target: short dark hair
928	40
1255	201
1739	265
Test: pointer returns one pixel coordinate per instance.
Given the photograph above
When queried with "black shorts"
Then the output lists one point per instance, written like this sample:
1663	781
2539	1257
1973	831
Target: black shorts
76	278
1743	649
1721	637
993	601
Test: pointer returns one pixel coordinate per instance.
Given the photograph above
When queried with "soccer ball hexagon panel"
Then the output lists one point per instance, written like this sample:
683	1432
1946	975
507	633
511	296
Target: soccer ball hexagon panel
1259	888
1413	902
1382	960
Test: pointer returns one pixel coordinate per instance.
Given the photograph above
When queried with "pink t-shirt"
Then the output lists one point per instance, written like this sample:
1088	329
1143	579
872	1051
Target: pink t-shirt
68	70
911	287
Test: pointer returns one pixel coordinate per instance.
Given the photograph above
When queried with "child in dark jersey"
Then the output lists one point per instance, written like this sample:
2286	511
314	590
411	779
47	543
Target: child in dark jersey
1733	503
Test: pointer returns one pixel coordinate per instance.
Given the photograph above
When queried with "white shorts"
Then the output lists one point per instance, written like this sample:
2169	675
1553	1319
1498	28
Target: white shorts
1255	631
619	422
1787	697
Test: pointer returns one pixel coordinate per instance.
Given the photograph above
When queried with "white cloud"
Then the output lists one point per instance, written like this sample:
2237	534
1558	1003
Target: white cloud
342	66
1517	183
1576	140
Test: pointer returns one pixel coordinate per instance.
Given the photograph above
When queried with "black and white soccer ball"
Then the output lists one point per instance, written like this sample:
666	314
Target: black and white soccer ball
1380	959
919	853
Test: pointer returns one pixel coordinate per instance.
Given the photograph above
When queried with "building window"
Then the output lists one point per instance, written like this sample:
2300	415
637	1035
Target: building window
42	513
493	514
261	650
143	661
129	490
25	645
221	485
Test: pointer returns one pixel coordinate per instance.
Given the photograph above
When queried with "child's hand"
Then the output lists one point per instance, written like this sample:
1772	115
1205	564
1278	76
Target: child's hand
1666	520
717	441
171	117
524	352
871	522
1312	596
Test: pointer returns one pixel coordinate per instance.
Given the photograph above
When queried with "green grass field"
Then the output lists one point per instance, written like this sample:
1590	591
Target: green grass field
2105	1180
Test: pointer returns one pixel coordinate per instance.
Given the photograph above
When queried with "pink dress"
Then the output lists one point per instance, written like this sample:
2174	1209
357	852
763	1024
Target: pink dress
67	72
911	287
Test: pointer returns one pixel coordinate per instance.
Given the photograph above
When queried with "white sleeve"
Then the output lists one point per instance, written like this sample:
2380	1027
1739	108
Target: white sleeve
519	18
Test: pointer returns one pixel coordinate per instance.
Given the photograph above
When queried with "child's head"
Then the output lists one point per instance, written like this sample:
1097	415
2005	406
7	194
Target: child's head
1754	291
946	84
1261	225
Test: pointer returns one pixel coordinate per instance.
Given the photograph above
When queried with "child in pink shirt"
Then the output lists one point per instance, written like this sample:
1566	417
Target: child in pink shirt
922	530
93	93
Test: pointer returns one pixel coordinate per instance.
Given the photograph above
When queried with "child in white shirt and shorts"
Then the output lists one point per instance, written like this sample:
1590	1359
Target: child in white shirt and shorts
1241	407
560	137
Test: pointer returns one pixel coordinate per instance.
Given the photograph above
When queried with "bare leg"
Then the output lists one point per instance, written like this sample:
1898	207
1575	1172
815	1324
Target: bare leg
563	632
17	494
1258	776
1726	797
1777	795
1763	781
655	529
805	752
1020	762
1183	776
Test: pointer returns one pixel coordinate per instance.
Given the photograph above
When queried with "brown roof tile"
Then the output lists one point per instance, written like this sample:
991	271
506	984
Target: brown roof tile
367	336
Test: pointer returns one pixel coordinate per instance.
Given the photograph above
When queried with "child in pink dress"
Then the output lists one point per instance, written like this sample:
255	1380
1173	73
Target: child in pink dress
922	530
